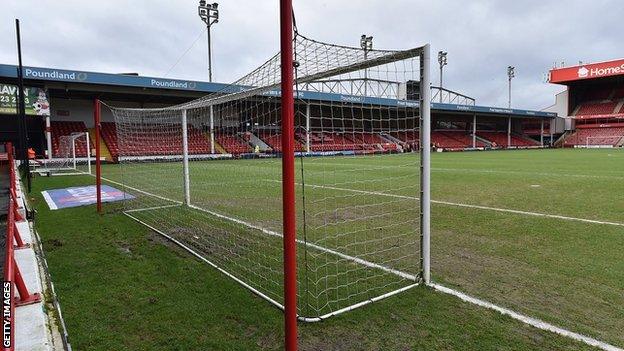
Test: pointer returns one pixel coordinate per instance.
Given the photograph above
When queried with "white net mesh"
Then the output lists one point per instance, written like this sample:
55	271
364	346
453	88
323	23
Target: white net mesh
356	128
73	155
602	141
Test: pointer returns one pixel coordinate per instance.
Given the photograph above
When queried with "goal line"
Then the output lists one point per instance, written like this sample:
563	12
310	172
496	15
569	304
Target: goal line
457	204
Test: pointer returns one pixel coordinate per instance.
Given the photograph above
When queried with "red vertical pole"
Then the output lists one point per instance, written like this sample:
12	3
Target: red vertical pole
8	284
98	166
288	177
19	243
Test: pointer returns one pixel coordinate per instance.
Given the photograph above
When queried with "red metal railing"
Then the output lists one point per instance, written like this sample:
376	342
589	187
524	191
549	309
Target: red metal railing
12	275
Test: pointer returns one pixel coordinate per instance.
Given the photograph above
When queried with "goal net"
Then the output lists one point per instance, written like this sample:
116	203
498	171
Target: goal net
207	175
73	156
601	141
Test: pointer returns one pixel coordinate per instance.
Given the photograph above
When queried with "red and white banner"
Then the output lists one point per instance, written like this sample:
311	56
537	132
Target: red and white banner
588	71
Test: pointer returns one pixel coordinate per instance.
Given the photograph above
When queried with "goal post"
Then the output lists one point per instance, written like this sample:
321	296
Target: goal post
185	160
317	201
97	109
288	174
73	156
600	141
425	164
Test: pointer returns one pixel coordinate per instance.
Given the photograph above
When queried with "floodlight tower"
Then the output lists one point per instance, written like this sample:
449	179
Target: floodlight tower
443	62
209	14
366	43
511	74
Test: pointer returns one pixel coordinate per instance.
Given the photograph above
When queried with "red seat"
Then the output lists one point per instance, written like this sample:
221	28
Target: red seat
596	108
232	143
595	136
62	128
500	138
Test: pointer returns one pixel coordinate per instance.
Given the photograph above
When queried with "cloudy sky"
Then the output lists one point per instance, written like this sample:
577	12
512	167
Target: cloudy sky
482	37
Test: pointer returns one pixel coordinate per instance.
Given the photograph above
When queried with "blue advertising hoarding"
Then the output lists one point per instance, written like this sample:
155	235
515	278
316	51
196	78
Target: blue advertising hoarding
61	75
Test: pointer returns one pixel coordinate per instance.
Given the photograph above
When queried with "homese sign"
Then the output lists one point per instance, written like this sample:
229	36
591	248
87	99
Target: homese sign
589	71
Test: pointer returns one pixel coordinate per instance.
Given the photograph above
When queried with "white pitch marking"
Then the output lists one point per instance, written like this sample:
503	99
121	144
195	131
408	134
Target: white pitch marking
506	210
318	247
48	200
142	191
537	323
467	170
545	174
273	233
525	319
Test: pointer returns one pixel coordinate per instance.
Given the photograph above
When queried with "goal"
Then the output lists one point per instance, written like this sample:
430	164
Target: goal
600	141
73	156
333	164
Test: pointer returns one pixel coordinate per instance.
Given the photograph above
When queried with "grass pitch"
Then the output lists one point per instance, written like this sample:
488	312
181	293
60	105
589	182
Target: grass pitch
121	286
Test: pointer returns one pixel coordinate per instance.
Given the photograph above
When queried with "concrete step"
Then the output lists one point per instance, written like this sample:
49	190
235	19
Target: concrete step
104	152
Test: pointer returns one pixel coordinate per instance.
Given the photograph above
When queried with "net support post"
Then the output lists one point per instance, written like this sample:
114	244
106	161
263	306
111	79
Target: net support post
474	131
212	138
307	127
542	132
88	152
425	163
187	187
288	176
98	162
73	141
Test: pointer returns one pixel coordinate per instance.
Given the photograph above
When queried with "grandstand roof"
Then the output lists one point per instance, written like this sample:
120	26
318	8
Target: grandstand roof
140	84
585	72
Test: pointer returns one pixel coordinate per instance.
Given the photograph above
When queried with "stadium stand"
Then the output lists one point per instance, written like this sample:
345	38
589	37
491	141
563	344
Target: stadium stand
500	139
275	141
198	143
109	135
596	117
618	93
406	137
60	128
453	139
444	140
326	141
597	94
596	108
153	145
372	141
233	144
596	136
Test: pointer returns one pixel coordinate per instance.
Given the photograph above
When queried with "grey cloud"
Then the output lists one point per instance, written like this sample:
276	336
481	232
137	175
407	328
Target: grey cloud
482	37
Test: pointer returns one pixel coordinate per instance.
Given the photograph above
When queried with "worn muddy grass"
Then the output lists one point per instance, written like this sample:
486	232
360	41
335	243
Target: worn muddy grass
567	273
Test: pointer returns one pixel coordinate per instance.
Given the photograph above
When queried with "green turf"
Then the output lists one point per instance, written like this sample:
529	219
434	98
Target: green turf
122	286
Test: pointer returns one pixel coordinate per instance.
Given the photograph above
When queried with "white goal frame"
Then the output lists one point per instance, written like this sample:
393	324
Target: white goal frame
67	164
182	116
597	146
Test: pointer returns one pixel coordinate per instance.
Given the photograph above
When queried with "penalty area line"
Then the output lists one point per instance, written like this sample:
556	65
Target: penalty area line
457	204
534	322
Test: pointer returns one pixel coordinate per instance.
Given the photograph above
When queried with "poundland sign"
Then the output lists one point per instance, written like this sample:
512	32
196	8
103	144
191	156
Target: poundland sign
589	71
62	75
